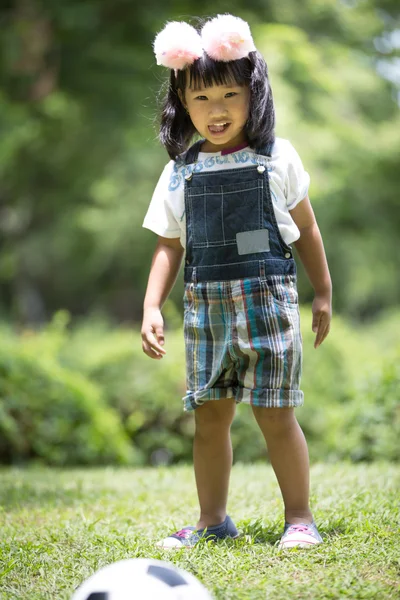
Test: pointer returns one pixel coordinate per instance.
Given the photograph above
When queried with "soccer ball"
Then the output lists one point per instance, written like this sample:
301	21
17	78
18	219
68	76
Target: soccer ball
141	579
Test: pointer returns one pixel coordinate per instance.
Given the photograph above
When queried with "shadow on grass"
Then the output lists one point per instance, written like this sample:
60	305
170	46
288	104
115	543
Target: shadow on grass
260	533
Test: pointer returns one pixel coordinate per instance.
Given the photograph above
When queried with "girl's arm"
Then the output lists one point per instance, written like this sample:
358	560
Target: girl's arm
310	248
164	269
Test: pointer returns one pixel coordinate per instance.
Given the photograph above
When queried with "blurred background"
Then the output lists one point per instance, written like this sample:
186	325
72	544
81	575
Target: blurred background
79	159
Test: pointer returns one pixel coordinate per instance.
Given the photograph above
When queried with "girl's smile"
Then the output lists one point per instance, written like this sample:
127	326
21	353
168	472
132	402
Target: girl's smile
217	129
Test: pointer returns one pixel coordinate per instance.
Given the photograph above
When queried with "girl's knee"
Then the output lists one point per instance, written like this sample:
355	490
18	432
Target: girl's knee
215	414
274	417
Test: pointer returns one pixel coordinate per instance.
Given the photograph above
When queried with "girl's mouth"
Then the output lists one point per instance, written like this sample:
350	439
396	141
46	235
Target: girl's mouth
218	128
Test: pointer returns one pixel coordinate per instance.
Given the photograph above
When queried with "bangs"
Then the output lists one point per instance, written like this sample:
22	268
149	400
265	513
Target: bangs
206	72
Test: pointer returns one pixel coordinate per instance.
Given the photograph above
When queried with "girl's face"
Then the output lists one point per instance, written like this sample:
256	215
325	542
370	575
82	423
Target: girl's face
219	113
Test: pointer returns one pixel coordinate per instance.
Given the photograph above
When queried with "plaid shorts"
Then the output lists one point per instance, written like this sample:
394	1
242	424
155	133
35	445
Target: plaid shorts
243	341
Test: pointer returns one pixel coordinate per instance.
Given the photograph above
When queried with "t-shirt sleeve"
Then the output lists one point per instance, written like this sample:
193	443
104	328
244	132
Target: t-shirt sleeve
160	217
297	179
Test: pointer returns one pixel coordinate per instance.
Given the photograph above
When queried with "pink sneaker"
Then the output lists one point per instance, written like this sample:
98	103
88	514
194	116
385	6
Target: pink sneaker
189	536
300	534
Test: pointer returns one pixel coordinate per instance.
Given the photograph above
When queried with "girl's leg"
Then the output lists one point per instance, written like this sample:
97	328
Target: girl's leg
212	455
288	452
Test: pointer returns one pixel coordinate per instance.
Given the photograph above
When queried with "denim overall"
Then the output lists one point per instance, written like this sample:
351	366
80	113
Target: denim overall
241	319
231	228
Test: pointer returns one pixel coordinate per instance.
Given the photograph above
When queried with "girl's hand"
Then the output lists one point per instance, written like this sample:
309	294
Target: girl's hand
322	315
153	333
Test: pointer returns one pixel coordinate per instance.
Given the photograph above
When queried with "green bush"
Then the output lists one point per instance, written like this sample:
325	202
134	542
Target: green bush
76	380
370	427
55	416
351	401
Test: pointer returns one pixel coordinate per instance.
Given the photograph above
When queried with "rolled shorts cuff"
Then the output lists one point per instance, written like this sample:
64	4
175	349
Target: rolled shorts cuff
194	399
271	398
267	398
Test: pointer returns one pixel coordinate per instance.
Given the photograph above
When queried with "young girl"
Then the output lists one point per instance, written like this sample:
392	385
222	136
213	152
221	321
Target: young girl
235	200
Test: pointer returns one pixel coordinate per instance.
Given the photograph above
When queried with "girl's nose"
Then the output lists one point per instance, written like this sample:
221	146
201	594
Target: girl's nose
218	110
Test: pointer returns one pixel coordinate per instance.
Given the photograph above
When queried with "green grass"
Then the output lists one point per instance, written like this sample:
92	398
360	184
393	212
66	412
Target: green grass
58	527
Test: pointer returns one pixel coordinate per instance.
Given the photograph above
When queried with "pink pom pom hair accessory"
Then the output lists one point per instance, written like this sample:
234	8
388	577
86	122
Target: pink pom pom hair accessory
224	38
177	46
227	38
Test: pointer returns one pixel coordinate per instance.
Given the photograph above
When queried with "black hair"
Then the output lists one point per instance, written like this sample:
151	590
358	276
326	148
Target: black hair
176	127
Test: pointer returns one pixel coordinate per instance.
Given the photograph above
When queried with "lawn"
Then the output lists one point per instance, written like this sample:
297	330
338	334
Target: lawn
58	527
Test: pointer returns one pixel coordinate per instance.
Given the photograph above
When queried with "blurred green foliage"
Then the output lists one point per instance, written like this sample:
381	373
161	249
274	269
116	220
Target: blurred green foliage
55	416
79	157
88	395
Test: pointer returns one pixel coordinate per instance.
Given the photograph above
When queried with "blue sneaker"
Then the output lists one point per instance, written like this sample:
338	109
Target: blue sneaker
189	536
303	535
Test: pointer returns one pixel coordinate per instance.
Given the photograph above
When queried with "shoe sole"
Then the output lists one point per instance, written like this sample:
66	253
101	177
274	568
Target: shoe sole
298	544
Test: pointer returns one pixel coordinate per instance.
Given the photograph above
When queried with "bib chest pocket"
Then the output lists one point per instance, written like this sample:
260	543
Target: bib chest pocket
219	212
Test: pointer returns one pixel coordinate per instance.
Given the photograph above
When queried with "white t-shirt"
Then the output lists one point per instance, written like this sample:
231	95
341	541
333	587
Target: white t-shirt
289	184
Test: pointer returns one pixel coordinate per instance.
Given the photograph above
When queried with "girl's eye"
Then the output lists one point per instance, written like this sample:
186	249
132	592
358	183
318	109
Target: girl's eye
228	95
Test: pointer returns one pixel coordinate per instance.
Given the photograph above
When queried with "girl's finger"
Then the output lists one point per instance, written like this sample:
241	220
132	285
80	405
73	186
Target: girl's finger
327	328
322	333
152	341
315	323
147	349
317	328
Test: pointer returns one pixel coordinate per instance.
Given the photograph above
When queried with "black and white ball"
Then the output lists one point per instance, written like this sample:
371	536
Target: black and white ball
141	579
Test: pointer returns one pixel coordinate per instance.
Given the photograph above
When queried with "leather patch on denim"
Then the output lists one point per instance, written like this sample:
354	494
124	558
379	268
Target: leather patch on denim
249	242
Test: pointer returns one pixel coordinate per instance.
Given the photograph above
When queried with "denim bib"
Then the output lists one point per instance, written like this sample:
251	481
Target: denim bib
231	228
